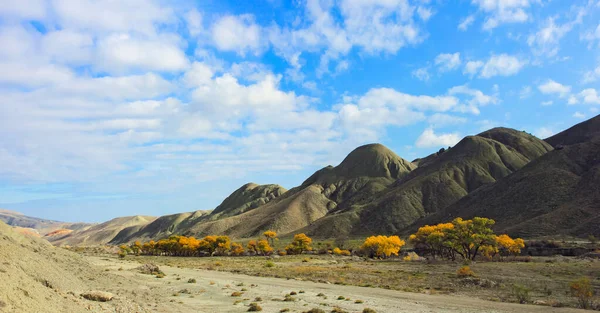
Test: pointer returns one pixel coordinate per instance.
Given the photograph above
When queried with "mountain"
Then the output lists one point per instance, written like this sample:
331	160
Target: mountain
556	194
441	179
38	225
366	170
101	233
248	197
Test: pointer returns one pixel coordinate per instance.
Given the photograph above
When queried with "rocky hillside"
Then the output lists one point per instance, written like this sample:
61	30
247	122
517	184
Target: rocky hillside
558	193
439	181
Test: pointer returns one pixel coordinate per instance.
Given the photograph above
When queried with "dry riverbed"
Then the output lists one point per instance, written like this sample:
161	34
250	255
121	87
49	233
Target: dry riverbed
219	291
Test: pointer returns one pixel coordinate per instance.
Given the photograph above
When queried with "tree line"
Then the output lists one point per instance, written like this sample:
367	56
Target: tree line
467	239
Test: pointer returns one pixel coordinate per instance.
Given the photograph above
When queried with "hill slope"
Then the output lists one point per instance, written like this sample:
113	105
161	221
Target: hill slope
559	193
39	225
253	209
441	180
101	233
37	277
244	199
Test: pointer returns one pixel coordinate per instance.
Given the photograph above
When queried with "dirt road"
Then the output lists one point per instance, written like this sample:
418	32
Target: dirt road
213	290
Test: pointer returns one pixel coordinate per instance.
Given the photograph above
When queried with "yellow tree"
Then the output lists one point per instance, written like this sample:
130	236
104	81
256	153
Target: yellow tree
223	244
509	245
433	240
469	237
252	246
382	246
300	244
263	247
270	235
237	249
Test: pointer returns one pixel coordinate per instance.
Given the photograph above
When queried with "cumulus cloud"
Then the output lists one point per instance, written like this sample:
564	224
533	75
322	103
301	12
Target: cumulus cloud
466	22
579	115
502	65
546	40
429	139
421	74
239	34
500	12
447	61
552	87
589	96
591	76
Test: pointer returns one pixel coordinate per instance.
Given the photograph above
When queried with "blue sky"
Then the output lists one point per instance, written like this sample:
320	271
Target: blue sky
112	108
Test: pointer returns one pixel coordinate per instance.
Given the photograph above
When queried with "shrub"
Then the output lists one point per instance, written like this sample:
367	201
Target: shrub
254	307
289	298
270	264
367	310
97	296
338	310
284	310
338	251
521	293
465	271
315	310
359	301
293	293
411	256
341	298
236	294
191	281
582	289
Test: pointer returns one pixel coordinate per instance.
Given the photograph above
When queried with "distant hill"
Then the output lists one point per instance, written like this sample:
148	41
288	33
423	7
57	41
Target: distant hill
557	194
38	225
101	233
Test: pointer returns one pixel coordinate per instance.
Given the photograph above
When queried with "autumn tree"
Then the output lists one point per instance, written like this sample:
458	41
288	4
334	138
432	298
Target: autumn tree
237	249
433	240
507	245
271	236
263	247
252	246
382	246
300	244
467	237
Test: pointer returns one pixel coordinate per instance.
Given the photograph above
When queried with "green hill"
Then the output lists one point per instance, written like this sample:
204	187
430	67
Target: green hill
557	194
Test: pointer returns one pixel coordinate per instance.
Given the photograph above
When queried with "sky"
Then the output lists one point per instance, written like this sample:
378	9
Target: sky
113	108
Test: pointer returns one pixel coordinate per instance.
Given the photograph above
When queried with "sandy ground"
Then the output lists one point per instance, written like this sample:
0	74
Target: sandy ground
213	290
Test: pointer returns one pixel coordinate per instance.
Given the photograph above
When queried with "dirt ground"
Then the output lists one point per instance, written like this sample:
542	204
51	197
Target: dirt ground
212	292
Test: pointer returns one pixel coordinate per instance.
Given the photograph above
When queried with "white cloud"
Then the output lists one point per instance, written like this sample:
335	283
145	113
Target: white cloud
591	76
429	139
478	97
447	61
546	41
421	74
121	53
572	100
578	115
590	96
67	46
472	67
23	9
547	103
543	132
135	16
503	12
466	22
502	65
194	22
424	13
552	87
239	34
525	92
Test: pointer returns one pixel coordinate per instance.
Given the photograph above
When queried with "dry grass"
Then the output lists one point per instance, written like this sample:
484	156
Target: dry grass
547	278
